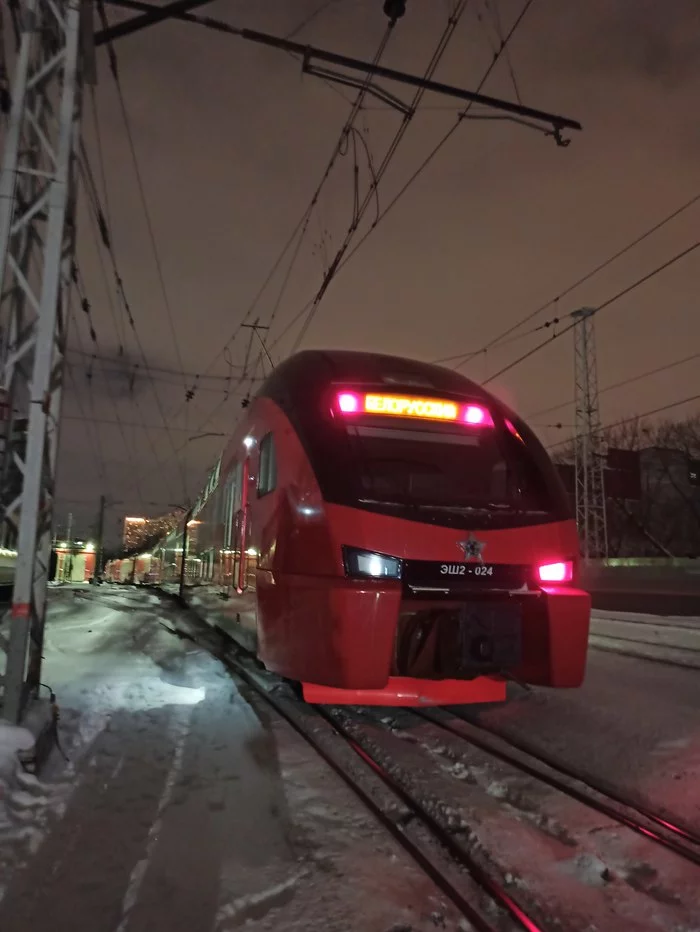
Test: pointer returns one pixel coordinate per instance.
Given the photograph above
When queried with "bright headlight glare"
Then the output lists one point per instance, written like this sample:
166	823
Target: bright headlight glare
364	563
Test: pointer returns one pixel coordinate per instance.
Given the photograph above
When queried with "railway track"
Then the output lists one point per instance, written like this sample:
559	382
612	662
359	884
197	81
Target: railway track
480	898
670	833
486	890
416	810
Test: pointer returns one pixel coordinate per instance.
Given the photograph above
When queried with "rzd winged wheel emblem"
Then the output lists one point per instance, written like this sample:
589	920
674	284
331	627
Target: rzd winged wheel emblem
472	548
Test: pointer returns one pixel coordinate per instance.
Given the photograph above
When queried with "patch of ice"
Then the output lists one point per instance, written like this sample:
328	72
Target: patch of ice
497	789
588	869
13	739
243	904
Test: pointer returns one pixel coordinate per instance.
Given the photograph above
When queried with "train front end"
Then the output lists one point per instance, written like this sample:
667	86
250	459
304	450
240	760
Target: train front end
442	560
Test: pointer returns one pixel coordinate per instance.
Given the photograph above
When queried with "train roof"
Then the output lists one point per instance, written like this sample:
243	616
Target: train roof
316	368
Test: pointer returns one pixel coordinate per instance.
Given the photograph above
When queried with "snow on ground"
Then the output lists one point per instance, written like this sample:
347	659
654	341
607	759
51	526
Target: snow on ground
634	723
184	807
668	639
564	861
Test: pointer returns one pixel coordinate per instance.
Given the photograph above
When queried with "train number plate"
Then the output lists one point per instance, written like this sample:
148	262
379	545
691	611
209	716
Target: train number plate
464	569
437	575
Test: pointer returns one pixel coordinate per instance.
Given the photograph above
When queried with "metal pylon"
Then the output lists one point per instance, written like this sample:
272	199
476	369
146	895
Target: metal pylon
590	489
37	238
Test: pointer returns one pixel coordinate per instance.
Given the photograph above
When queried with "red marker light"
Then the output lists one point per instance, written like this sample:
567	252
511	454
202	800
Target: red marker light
348	403
513	430
477	416
556	572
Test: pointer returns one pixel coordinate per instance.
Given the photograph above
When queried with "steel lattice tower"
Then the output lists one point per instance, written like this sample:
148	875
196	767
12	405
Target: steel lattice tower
37	238
590	487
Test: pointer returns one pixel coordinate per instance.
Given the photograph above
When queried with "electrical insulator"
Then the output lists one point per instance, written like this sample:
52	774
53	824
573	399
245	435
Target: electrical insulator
394	9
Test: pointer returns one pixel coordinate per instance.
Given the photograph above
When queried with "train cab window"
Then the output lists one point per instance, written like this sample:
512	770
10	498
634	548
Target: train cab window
427	473
267	473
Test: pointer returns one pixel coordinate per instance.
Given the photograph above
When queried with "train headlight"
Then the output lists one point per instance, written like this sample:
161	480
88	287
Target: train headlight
369	565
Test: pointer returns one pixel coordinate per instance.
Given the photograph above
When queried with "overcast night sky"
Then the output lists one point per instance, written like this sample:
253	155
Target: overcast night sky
231	142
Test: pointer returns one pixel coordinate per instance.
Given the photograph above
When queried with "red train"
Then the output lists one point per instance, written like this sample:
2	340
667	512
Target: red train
383	531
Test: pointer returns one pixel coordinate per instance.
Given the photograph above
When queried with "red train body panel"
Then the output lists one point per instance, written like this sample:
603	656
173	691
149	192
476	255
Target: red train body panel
383	531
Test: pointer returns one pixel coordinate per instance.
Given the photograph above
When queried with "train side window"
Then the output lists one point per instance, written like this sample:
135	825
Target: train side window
267	473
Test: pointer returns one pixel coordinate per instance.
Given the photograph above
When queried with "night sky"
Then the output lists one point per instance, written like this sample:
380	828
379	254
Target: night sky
231	142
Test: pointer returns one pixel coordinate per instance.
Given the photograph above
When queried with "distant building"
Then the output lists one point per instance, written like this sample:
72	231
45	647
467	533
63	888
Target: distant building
653	501
139	530
75	561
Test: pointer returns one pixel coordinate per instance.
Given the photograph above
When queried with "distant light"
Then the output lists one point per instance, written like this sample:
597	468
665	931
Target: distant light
89	547
248	442
135	520
252	552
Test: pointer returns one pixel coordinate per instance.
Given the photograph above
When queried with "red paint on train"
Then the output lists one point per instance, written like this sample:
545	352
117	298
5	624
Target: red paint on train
384	531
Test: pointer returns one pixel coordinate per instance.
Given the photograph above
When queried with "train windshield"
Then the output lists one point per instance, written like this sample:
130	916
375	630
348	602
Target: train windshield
443	469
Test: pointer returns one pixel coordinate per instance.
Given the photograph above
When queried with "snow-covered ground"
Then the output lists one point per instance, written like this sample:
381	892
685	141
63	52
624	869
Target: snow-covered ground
634	722
183	807
187	804
668	639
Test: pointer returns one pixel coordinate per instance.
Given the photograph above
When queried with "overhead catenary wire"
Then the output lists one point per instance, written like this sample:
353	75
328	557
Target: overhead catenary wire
311	308
107	422
310	17
92	430
114	69
452	23
502	337
299	232
302	224
635	417
103	237
160	370
629	381
599	307
86	308
463	114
